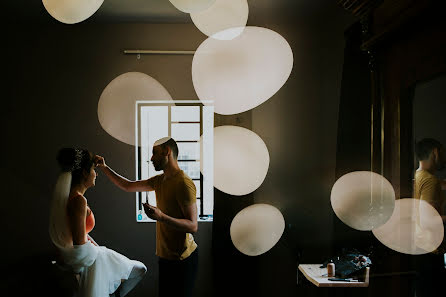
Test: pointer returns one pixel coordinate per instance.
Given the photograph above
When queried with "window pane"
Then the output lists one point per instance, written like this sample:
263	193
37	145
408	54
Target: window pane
187	132
198	209
197	186
188	151
192	169
208	160
185	114
154	125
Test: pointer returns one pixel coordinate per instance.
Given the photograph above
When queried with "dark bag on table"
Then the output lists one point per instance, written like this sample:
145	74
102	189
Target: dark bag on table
350	263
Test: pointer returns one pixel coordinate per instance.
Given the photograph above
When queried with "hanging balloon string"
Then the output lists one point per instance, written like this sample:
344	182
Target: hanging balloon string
382	146
371	152
374	94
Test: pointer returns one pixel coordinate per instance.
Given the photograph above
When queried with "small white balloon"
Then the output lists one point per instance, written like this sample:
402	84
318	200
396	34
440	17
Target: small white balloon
256	229
222	15
71	11
241	160
415	228
116	106
363	200
191	6
241	73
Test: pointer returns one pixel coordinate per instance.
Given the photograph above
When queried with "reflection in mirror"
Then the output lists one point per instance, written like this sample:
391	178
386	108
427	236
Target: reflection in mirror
429	134
429	120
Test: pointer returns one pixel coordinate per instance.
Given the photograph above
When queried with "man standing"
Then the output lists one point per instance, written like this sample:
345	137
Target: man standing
430	267
175	215
428	187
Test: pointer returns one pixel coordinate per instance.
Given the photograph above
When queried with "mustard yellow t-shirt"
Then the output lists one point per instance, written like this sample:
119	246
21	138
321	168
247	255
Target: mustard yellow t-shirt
170	194
428	188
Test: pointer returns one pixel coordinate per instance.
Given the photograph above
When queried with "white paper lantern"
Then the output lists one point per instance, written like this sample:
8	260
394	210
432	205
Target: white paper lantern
241	73
222	15
363	200
415	228
192	5
256	229
71	11
116	106
241	160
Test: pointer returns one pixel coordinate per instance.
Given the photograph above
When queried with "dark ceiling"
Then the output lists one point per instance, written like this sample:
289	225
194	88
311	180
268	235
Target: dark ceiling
162	11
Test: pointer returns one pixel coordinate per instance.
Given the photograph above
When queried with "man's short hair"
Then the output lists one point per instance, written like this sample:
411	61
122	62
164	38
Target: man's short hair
172	144
424	148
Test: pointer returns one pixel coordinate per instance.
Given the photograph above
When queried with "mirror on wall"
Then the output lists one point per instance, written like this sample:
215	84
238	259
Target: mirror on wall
429	113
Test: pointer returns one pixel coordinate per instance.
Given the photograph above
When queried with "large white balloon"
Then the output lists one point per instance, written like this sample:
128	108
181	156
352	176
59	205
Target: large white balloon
224	14
192	5
241	73
116	106
71	11
363	200
241	160
415	228
256	229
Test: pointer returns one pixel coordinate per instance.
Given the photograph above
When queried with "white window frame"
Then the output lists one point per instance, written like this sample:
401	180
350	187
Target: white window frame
146	134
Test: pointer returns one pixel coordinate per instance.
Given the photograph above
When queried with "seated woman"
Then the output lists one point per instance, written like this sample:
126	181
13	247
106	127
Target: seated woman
102	271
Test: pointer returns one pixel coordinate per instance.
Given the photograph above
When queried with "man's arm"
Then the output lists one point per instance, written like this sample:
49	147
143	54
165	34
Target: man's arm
189	224
120	181
443	184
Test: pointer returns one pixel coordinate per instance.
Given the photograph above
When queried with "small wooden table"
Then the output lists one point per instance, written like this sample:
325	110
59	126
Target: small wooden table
318	276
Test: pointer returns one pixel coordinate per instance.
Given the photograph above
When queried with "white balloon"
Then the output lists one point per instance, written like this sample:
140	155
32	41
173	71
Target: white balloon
241	73
192	5
241	160
415	228
116	106
363	200
71	11
224	14
256	229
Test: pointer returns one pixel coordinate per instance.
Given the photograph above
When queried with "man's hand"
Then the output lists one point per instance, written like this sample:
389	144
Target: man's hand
153	212
187	224
99	161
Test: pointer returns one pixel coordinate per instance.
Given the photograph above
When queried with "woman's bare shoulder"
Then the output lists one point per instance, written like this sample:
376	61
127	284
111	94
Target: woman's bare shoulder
77	203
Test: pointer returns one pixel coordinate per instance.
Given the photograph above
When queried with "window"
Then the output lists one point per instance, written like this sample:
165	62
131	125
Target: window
191	125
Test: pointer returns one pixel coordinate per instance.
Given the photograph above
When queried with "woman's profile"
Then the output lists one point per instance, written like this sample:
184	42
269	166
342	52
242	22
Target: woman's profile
102	270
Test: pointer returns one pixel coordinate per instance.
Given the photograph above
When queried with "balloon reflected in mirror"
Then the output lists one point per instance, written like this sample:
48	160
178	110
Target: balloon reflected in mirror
414	228
363	200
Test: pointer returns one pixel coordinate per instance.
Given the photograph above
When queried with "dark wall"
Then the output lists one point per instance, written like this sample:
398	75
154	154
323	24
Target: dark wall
299	127
55	76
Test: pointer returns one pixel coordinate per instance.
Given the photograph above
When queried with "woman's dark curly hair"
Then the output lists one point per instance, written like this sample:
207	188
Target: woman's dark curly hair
75	161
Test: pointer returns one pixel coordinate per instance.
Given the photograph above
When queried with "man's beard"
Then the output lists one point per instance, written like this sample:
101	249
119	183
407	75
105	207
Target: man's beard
160	166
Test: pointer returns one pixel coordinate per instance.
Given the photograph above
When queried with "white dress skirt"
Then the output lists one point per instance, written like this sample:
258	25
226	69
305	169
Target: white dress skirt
101	269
